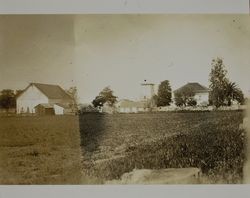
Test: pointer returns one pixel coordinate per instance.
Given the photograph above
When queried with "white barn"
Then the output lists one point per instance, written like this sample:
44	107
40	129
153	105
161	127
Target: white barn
37	93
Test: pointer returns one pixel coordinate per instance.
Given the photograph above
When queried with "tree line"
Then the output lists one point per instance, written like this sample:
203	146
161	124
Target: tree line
222	91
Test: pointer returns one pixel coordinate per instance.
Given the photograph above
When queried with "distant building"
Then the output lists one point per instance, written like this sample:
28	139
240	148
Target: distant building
129	106
148	90
44	109
52	109
44	99
201	92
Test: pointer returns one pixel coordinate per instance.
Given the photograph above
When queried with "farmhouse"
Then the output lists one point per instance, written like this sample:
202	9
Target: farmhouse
201	92
43	99
129	106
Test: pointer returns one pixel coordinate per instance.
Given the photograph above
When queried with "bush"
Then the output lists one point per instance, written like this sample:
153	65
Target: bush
88	109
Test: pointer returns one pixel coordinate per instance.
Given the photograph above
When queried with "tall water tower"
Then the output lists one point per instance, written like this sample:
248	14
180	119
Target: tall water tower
148	90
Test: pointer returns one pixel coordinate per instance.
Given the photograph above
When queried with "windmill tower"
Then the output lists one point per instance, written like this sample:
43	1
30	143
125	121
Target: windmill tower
148	90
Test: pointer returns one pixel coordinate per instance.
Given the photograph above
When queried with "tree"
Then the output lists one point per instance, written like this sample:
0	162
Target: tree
185	97
222	91
105	96
98	101
153	101
233	93
7	99
218	83
239	97
18	92
72	91
164	94
230	92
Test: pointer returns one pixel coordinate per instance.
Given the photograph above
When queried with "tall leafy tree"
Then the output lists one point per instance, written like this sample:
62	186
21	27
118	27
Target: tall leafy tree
164	96
105	96
218	83
222	91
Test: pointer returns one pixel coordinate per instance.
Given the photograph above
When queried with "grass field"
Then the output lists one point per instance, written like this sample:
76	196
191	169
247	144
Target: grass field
40	150
46	150
212	141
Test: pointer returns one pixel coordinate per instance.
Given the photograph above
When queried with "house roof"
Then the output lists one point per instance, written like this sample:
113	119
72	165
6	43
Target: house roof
130	104
50	105
51	91
196	87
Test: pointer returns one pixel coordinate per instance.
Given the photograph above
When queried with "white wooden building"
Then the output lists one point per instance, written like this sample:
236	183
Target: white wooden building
129	106
36	93
201	92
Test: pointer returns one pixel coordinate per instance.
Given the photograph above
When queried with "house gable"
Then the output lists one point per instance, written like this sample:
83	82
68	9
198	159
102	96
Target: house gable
30	98
195	87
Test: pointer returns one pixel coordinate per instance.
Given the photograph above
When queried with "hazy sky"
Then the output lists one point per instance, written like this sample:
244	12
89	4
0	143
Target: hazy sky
120	51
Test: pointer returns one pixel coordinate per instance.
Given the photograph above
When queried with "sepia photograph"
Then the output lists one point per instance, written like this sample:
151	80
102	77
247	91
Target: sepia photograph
124	99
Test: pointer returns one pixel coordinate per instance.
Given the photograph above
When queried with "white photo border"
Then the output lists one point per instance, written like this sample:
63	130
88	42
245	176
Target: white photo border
114	7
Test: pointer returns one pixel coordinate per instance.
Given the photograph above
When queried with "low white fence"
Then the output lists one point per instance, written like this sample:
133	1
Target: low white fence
200	108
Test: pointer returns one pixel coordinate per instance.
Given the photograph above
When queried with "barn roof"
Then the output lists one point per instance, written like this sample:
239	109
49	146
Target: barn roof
51	91
195	87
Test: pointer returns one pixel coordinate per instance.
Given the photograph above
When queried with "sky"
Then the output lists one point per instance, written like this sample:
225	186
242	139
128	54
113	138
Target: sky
121	51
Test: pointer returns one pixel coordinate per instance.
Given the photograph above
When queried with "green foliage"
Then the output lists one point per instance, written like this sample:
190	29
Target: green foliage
185	97
105	96
164	94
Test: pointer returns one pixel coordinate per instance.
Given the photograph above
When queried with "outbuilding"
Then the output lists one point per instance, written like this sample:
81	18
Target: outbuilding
45	109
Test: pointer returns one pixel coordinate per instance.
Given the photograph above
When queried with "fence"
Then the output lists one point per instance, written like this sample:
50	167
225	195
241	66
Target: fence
200	108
